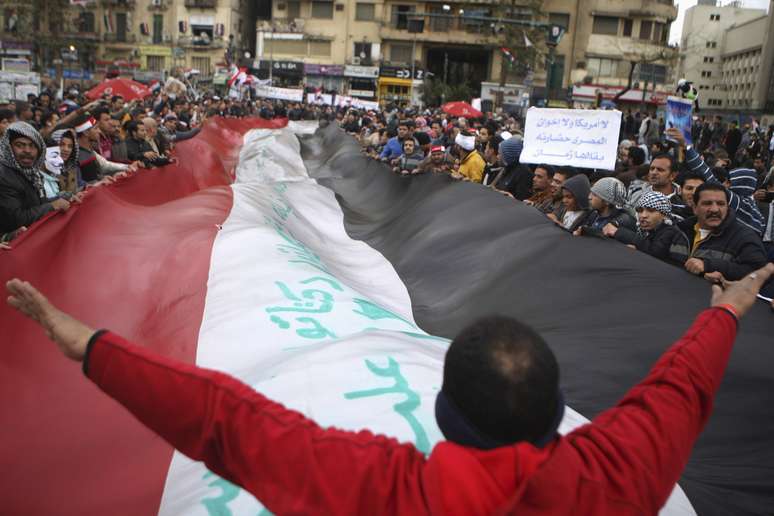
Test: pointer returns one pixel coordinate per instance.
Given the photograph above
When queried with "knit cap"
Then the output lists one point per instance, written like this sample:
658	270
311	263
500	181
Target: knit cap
510	150
579	187
610	190
655	201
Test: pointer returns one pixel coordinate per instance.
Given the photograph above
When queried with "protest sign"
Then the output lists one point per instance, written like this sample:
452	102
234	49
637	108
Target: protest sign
345	100
319	98
582	138
272	92
678	114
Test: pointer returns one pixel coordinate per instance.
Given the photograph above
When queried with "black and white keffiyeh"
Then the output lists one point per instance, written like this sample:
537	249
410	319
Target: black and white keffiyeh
7	157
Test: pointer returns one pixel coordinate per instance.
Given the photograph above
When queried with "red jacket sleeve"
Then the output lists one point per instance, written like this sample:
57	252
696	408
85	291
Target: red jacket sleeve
641	446
284	459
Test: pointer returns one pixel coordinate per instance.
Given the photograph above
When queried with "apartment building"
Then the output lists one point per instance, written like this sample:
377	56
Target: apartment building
385	48
727	51
705	33
139	37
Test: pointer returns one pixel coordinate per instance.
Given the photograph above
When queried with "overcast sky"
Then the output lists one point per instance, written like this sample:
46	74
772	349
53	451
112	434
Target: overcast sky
677	26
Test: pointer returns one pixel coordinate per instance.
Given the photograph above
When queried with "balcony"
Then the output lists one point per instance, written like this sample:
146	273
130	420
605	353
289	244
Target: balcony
286	25
128	4
662	9
158	5
440	30
119	38
200	43
201	4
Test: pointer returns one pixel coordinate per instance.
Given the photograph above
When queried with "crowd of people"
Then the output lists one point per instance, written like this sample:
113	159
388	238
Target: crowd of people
53	150
705	207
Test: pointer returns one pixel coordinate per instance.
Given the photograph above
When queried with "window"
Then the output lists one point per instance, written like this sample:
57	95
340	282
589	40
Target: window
706	73
158	28
400	16
714	102
365	12
652	73
607	25
202	64
156	63
320	48
439	24
714	17
400	53
709	59
561	19
657	31
627	28
600	67
363	52
86	22
646	28
294	9
711	44
285	46
120	26
322	10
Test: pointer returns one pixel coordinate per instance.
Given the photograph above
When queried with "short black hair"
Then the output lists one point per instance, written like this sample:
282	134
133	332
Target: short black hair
664	155
690	175
636	155
548	168
116	97
7	114
713	187
567	171
131	127
98	112
504	379
720	173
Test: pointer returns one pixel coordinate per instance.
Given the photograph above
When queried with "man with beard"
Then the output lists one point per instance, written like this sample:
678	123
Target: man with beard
438	161
542	195
661	178
22	194
718	242
741	187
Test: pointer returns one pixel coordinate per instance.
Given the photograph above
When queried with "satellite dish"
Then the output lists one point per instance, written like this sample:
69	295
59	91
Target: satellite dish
362	55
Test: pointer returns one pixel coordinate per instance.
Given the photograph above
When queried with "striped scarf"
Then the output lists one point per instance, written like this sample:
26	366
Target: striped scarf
8	158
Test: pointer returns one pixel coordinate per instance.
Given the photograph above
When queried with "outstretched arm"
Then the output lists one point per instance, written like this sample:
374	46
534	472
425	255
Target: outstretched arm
283	458
642	445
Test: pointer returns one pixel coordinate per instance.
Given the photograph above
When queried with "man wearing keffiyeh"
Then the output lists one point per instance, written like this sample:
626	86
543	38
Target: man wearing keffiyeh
22	196
656	235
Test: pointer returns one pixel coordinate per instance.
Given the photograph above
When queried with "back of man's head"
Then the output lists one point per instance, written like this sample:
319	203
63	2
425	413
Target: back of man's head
501	379
636	155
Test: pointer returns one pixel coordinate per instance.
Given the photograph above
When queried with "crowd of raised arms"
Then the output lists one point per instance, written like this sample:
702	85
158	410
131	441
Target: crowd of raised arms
705	207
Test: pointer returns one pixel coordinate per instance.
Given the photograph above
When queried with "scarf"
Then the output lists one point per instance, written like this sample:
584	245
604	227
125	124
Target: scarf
7	157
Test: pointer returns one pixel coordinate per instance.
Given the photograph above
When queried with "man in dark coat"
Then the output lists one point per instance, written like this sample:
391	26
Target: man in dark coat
22	197
718	242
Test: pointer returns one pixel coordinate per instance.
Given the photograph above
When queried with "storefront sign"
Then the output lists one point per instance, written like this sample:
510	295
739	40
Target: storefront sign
318	69
154	50
401	72
11	64
366	72
76	75
289	68
362	93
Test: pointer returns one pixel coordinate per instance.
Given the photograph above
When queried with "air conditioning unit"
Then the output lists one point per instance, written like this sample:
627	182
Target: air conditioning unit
157	3
356	60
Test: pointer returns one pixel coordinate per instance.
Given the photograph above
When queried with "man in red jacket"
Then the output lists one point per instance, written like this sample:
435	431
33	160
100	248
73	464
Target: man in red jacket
508	460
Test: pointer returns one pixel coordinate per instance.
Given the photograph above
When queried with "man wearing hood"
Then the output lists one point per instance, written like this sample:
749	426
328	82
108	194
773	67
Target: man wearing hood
718	241
22	194
516	178
743	183
575	198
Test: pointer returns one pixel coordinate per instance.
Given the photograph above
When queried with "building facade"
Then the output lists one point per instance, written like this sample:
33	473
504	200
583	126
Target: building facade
727	52
386	49
145	38
702	47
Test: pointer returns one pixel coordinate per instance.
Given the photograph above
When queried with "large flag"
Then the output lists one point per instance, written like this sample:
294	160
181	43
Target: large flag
322	280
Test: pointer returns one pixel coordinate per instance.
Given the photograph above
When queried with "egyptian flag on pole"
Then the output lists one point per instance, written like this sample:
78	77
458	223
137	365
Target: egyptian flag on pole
330	284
